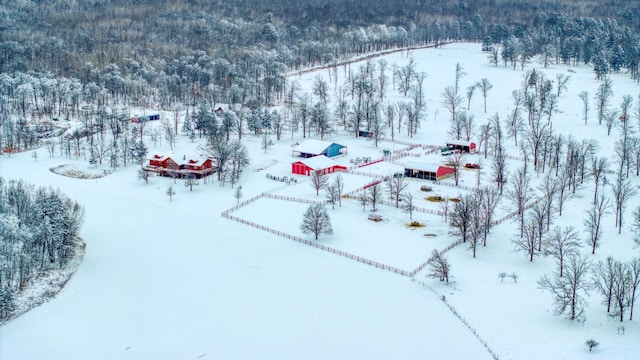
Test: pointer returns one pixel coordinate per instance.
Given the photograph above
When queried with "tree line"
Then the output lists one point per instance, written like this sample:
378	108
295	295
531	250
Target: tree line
39	231
59	56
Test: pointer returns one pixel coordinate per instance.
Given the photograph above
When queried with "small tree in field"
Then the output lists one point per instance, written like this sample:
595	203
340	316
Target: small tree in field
407	205
375	195
316	221
591	344
332	195
338	182
238	194
363	199
170	192
569	290
191	181
319	181
439	267
143	175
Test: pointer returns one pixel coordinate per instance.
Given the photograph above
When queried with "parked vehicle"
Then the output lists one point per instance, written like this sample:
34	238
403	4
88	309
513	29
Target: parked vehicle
471	166
375	217
426	188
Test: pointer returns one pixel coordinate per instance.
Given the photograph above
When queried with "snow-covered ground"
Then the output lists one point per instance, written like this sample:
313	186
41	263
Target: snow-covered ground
174	280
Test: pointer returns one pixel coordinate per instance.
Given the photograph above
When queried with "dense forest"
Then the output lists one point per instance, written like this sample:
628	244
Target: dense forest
57	55
39	231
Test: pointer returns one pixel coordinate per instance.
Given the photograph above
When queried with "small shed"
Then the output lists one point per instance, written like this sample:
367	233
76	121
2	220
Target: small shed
319	163
463	146
310	148
427	171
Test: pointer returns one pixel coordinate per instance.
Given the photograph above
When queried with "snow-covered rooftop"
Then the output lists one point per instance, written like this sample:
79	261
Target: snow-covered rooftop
422	166
312	146
318	162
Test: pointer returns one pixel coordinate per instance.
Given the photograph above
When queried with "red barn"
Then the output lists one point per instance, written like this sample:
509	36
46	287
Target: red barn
427	171
318	163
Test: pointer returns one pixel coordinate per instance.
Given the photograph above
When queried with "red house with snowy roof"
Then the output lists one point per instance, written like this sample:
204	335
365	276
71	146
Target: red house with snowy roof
166	166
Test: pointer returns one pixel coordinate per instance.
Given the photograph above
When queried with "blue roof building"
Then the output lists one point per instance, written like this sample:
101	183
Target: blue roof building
310	148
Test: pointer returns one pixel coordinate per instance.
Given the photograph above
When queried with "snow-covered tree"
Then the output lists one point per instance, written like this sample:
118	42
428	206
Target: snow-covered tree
569	291
316	221
439	267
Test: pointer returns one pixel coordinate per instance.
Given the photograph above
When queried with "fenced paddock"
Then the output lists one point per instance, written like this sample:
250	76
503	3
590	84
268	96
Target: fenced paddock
386	245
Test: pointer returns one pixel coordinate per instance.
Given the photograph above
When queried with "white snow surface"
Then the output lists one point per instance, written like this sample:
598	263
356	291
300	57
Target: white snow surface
176	280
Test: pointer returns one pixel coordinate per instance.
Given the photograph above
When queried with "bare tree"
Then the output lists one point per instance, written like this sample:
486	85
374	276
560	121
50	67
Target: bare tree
332	195
468	124
476	229
451	100
568	291
170	192
563	183
591	344
303	112
489	199
499	167
599	167
520	193
382	77
621	286
603	275
377	127
316	221
561	244
584	95
338	182
461	217
603	96
439	267
592	223
459	74
404	76
539	216
237	194
622	192
536	133
471	89
549	190
143	175
374	193
363	199
190	181
390	112
169	133
610	117
634	273
485	135
321	89
444	205
319	181
528	241
396	188
516	121
455	161
563	82
484	85
407	204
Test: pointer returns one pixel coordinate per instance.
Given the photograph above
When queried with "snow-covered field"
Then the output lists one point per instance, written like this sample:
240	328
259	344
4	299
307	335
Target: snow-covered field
174	280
